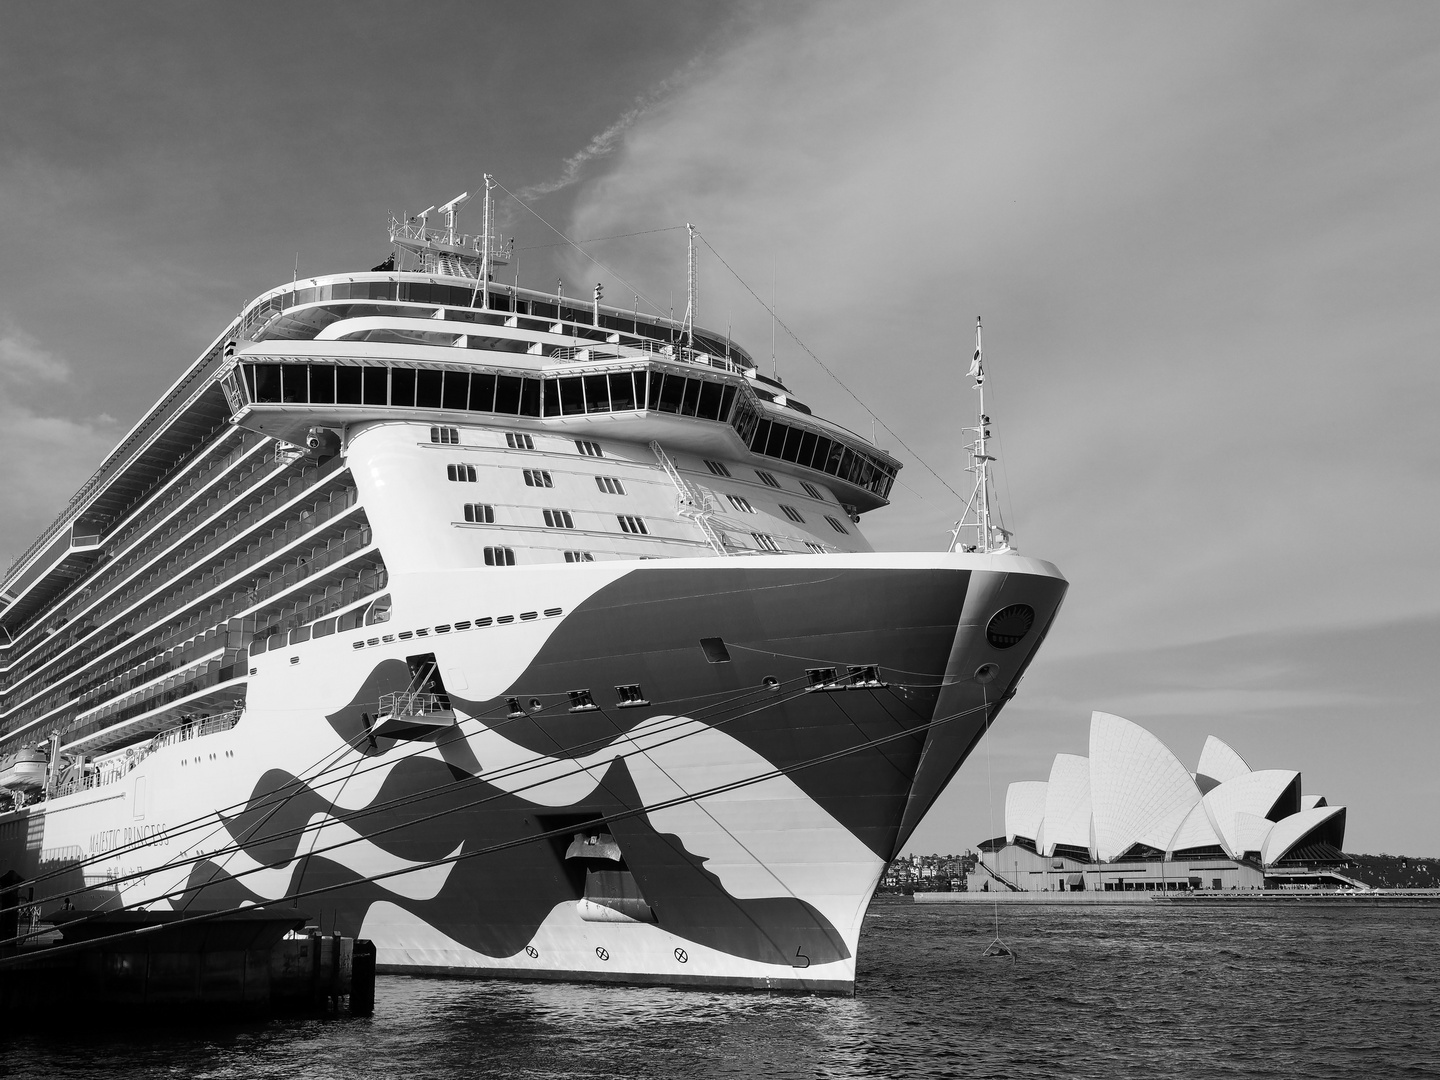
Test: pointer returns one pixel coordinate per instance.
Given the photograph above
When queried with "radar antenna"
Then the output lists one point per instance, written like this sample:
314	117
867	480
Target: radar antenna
980	518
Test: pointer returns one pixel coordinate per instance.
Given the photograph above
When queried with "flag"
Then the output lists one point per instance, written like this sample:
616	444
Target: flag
977	371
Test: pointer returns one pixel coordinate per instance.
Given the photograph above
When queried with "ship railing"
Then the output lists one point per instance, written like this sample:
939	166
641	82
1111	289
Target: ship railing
116	768
408	703
643	350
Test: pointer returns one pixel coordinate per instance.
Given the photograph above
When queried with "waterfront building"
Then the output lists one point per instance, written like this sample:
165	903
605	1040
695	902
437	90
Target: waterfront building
1132	817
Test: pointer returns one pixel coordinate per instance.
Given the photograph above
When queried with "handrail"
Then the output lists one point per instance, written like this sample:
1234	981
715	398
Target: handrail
412	703
118	767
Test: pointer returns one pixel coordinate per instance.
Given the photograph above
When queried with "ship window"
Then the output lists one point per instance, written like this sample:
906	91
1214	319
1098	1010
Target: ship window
622	390
322	384
672	393
377	385
457	390
538	478
499	556
630	524
507	394
610	485
818	549
402	387
529	397
267	383
766	478
766	541
807	448
580	701
324	628
836	525
482	392
597	393
480	513
739	502
444	435
717	467
589	449
558	519
428	389
577	556
710	401
690	404
792	513
462	474
519	441
293	383
812	491
776	440
726	397
513	705
348	382
572	396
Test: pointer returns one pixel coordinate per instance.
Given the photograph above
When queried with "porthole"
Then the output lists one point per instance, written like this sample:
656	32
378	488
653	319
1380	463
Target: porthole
986	673
770	683
1009	626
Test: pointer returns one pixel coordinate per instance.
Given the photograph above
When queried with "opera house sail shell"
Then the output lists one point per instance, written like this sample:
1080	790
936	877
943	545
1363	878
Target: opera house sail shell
1131	816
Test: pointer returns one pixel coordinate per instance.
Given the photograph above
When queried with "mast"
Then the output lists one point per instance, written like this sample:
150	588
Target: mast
485	247
990	536
690	305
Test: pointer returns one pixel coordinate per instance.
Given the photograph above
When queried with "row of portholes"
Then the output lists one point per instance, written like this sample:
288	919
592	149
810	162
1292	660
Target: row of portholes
458	627
681	956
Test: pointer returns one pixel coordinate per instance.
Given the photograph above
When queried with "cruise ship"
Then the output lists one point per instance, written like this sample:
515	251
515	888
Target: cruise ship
523	635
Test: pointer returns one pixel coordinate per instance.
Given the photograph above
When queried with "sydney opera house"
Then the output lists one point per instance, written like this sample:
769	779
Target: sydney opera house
1132	817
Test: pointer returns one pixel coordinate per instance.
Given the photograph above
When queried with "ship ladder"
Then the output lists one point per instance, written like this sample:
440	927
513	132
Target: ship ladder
691	503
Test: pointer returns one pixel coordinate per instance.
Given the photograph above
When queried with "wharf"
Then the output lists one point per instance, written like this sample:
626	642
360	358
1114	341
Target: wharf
1070	898
1200	898
173	965
1308	897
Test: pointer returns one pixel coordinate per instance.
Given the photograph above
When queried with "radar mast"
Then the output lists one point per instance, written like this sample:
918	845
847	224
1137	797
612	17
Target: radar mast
980	519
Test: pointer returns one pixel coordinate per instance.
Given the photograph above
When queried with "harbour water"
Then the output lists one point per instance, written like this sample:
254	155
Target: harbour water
1096	991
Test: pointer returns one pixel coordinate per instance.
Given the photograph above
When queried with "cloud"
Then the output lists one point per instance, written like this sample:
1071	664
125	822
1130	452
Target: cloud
23	359
607	141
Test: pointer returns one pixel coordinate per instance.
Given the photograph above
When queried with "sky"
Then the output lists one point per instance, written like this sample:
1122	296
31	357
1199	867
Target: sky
1203	239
